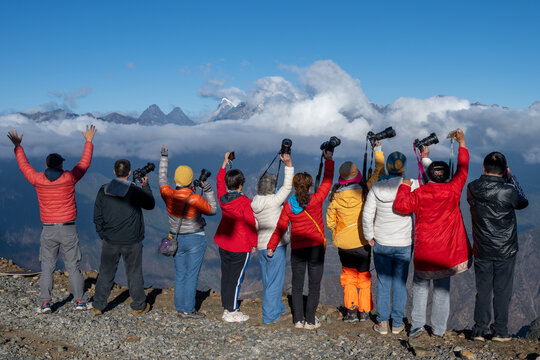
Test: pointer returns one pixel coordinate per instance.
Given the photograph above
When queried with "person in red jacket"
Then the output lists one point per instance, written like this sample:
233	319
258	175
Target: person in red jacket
308	243
441	246
236	237
55	189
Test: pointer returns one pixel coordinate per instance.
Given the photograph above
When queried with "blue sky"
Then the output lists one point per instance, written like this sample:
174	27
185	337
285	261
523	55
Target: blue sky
126	55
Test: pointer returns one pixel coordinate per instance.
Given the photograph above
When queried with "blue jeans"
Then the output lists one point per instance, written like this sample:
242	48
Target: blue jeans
187	264
392	265
273	275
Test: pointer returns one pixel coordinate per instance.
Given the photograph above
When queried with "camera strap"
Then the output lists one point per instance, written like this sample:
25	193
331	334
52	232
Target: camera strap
422	176
269	166
318	178
182	216
451	160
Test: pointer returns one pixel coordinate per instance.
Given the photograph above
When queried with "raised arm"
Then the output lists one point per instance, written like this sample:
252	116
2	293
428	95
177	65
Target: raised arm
286	188
379	167
80	169
27	170
163	167
220	178
328	178
462	170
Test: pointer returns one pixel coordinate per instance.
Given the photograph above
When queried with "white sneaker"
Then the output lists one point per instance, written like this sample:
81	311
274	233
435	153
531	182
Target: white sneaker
299	324
309	326
234	316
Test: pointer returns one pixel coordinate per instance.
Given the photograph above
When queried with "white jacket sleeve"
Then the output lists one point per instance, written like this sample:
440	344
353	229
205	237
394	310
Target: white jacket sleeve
280	197
368	216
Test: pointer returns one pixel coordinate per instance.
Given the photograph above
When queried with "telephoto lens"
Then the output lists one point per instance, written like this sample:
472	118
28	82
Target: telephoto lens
286	146
431	139
140	173
205	174
331	144
385	134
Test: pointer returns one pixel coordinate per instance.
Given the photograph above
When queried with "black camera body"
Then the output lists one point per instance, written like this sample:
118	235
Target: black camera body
331	144
385	134
286	146
427	141
140	173
205	174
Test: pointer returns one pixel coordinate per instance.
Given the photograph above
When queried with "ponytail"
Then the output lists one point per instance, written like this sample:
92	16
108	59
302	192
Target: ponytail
301	183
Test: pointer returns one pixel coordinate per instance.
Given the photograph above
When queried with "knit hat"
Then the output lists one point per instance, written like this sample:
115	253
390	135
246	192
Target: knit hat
395	164
183	175
348	173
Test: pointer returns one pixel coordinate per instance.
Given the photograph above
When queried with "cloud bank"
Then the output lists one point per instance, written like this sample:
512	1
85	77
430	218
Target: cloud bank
327	102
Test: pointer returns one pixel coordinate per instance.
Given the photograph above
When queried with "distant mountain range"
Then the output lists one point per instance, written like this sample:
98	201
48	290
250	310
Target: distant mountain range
153	115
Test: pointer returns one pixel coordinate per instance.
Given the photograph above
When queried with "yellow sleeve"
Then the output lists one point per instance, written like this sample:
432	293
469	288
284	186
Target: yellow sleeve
331	214
379	169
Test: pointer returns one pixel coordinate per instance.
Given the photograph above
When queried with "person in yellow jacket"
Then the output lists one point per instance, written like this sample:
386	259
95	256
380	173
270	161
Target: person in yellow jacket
344	218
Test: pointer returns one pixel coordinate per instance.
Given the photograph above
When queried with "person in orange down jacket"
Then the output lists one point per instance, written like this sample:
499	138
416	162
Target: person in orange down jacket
441	246
343	217
304	211
236	237
55	189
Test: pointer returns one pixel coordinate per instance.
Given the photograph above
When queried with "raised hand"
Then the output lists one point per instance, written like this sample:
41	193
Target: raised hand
425	151
226	160
460	137
377	143
328	155
143	181
286	158
89	133
164	151
14	137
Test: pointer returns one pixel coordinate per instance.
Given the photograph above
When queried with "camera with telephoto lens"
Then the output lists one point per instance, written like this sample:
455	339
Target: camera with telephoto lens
385	134
330	144
286	146
140	173
205	174
427	141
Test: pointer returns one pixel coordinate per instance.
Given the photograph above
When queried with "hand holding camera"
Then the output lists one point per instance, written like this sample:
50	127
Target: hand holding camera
140	174
286	158
229	157
328	154
143	181
164	151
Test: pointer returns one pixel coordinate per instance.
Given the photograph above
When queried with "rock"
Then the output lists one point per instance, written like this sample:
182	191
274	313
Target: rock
534	330
132	338
423	352
467	355
61	348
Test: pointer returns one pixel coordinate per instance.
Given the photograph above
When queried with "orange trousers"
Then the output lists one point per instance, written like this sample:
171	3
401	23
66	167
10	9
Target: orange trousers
356	289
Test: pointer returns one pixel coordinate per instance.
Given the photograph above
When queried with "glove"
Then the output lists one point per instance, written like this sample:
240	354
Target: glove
207	187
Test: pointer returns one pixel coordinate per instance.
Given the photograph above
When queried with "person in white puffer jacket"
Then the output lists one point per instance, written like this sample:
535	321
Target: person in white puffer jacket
390	235
266	206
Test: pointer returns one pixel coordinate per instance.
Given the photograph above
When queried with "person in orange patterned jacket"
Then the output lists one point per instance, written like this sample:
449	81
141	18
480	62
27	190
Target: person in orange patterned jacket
55	189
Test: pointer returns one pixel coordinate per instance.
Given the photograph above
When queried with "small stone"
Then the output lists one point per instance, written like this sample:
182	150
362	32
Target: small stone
457	349
321	333
61	348
323	318
132	338
423	352
467	355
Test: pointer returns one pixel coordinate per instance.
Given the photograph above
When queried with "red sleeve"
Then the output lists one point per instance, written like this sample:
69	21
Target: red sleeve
220	184
462	171
406	201
326	184
281	227
27	170
80	169
251	224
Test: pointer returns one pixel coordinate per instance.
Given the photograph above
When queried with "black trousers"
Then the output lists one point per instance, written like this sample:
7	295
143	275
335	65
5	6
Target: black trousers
313	259
110	256
358	258
233	268
494	282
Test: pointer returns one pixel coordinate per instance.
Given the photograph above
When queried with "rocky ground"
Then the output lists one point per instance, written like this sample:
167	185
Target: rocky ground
69	334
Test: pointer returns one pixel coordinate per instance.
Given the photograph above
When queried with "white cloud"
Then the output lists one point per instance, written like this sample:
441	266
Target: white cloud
327	102
70	98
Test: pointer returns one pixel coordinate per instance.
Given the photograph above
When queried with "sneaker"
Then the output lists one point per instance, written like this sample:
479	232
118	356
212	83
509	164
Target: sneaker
417	333
45	308
397	330
299	324
381	327
498	338
363	316
140	312
80	306
351	316
234	316
191	315
309	326
479	338
97	312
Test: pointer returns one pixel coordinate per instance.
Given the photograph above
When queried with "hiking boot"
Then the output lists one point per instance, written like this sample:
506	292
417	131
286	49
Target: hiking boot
363	316
381	327
351	316
415	333
479	338
309	326
140	312
234	316
299	324
191	315
45	308
397	330
97	312
499	338
81	306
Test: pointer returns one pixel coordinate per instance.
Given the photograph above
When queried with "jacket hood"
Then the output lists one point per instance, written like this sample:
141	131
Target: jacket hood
349	196
385	191
259	203
294	205
53	174
230	196
117	187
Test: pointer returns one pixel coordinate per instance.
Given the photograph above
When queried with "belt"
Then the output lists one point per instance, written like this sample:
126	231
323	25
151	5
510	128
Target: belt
198	231
61	224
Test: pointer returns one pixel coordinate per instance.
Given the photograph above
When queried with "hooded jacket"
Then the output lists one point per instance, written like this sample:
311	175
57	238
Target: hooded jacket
267	208
55	188
117	211
304	232
237	230
493	203
175	200
344	214
441	247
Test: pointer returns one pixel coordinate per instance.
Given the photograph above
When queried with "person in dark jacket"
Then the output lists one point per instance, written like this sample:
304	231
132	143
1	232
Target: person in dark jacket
493	198
120	224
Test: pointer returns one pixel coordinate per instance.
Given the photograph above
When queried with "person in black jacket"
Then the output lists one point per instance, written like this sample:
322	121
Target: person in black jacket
493	198
120	224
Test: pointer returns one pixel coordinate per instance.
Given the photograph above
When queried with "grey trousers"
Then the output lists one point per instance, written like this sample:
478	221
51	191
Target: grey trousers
440	305
63	238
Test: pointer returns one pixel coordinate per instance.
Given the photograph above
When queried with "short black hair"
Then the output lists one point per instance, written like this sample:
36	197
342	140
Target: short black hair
234	179
438	171
495	163
122	167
